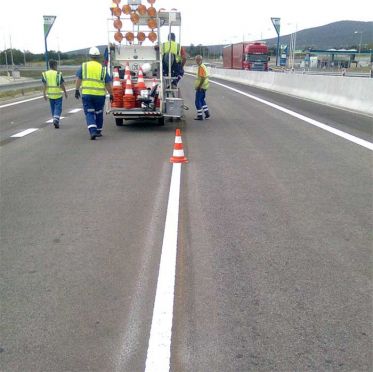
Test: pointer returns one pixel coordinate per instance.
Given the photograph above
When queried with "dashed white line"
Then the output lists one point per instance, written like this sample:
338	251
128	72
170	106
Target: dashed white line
74	111
159	349
24	133
51	120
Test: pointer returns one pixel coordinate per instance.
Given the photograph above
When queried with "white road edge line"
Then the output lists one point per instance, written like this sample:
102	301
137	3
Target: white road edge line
349	137
159	347
28	100
24	133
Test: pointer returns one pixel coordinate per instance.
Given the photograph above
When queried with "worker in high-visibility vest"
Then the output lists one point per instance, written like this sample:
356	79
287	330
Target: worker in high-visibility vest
175	54
94	81
53	88
201	85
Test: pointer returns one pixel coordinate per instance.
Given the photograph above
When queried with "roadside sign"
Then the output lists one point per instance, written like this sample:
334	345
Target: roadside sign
48	23
276	24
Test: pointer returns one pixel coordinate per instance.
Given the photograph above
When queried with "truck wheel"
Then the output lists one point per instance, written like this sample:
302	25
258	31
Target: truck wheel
119	122
161	121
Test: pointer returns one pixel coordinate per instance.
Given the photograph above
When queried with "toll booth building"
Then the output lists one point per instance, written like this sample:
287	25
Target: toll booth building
338	58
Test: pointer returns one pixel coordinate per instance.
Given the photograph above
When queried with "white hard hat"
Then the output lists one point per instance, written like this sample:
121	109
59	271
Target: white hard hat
146	67
94	51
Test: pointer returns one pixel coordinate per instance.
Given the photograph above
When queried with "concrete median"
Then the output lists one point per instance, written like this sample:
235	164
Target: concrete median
350	93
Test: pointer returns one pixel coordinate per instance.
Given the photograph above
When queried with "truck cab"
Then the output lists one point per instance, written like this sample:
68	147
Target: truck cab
256	57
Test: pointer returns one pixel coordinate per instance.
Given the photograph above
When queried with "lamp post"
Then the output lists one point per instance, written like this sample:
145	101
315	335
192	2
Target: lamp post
6	57
361	37
293	41
58	47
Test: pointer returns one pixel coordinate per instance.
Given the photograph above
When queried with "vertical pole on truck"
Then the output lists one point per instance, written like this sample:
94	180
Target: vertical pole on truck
169	44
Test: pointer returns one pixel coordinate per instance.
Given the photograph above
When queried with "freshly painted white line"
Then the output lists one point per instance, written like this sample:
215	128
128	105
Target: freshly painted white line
349	137
24	133
51	120
75	111
159	349
28	100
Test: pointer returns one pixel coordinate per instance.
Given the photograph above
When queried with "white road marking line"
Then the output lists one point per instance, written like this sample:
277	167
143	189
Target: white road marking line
24	133
75	111
159	349
51	120
28	100
349	137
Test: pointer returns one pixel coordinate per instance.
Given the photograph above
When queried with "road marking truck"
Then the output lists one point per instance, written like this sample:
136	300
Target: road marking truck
142	87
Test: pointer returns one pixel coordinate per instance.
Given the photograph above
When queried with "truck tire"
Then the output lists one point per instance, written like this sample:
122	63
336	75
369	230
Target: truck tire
119	122
161	121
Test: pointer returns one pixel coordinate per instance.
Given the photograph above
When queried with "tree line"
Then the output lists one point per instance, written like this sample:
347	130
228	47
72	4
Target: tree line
25	57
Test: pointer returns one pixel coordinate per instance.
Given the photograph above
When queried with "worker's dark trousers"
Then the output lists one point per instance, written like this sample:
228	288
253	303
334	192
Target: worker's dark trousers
56	108
94	112
200	102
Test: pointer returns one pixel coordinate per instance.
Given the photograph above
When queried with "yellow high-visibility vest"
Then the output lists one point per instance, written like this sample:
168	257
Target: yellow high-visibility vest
93	78
53	82
172	47
197	82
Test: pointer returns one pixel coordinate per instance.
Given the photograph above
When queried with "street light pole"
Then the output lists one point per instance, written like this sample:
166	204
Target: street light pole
58	47
11	52
6	57
361	38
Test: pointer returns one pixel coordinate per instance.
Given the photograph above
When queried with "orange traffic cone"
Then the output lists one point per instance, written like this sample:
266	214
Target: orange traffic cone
140	80
117	90
116	80
127	72
127	75
129	100
178	154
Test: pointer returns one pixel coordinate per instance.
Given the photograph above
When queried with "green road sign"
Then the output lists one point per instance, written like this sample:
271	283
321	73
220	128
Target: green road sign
48	23
276	24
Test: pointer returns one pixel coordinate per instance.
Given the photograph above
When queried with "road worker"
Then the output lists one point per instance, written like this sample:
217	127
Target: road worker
94	81
53	88
201	85
178	58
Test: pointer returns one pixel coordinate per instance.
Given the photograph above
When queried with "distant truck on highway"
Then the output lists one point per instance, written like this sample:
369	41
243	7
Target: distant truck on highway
252	56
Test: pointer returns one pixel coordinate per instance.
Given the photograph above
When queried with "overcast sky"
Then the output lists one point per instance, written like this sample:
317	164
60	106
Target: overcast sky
81	24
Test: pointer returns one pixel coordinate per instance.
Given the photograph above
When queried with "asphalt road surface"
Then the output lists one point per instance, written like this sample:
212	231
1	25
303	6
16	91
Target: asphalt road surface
274	261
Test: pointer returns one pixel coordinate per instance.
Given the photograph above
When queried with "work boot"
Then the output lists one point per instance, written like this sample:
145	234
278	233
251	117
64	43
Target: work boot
207	115
93	135
98	134
56	123
198	118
